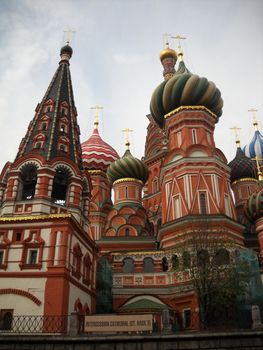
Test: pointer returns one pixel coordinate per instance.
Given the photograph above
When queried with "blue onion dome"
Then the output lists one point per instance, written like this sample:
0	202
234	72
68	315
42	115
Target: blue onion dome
127	167
66	50
242	167
253	208
184	89
255	147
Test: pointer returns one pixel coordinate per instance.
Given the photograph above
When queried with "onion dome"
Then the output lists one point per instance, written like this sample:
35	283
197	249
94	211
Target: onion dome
97	154
255	147
184	89
66	50
168	59
254	206
242	167
127	167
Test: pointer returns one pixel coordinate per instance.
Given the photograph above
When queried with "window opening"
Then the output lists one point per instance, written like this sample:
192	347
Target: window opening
194	136
148	265
165	264
32	259
60	186
1	257
29	180
175	262
6	317
128	265
186	318
127	232
202	203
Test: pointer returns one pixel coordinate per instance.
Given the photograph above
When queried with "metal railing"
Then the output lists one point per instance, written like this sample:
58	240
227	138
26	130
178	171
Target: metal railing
35	324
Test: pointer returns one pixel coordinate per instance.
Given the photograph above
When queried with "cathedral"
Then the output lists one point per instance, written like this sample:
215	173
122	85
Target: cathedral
85	230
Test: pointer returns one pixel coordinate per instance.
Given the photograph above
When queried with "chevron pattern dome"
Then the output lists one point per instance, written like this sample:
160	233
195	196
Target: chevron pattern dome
97	154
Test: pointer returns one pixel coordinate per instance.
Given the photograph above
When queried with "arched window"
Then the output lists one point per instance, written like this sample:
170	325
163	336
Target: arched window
222	257
175	262
127	232
6	317
186	260
148	265
87	270
165	264
29	180
128	265
60	186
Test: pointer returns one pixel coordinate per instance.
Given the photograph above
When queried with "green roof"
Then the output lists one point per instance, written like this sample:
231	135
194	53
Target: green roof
144	304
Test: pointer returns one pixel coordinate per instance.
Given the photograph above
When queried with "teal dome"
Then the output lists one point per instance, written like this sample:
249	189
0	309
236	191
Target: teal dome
254	206
127	167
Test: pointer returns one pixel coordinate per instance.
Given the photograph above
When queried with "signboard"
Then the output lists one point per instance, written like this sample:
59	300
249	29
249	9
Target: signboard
118	323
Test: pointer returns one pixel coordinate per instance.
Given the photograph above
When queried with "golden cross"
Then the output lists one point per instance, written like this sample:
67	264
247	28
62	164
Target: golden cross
97	108
126	132
255	122
68	35
179	38
236	133
166	39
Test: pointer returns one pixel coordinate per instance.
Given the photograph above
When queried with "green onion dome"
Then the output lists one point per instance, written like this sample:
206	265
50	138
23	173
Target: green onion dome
66	50
254	206
184	89
127	167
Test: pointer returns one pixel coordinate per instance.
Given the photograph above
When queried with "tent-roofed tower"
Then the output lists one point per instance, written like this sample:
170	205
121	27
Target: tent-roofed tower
44	210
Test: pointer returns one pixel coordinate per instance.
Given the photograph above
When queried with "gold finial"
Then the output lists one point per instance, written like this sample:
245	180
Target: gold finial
96	122
255	122
260	174
68	35
236	133
126	132
179	47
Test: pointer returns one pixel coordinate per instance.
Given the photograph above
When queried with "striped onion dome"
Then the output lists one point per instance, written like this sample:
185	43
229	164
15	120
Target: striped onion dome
97	154
184	89
242	167
127	167
255	147
254	206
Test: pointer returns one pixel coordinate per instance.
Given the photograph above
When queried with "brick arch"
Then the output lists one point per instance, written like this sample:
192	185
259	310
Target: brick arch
22	293
78	306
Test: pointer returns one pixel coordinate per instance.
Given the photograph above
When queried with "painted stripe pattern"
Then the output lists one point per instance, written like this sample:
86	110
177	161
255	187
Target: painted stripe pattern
255	147
127	167
96	153
184	89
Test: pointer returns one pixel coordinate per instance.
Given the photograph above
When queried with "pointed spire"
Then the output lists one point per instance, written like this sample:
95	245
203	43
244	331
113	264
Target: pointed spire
54	131
180	54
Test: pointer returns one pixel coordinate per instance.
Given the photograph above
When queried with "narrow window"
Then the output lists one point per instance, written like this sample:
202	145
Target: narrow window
202	200
37	145
194	136
126	192
227	205
165	264
179	138
175	262
32	257
18	236
1	257
177	207
186	318
44	126
127	232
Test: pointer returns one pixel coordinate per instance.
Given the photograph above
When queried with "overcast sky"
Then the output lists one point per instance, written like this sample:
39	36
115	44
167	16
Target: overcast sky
116	61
